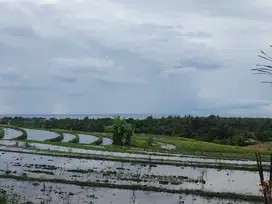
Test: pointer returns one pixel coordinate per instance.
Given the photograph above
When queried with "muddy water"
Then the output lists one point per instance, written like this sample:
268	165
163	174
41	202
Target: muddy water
86	139
240	182
11	133
64	193
107	141
68	137
40	135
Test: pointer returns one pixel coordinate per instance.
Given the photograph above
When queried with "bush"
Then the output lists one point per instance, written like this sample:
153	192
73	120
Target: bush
2	133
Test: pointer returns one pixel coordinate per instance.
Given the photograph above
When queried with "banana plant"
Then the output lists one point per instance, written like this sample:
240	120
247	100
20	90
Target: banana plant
121	130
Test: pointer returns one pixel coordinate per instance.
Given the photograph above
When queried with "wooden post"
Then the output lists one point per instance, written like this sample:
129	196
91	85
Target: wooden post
265	187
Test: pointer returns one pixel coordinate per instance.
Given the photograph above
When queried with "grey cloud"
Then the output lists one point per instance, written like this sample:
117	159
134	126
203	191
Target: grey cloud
19	87
197	34
66	79
18	31
198	63
79	94
150	60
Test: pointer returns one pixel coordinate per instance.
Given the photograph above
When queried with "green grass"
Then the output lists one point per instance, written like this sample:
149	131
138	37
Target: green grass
200	148
76	139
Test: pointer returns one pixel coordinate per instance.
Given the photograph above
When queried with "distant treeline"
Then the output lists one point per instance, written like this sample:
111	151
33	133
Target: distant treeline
232	130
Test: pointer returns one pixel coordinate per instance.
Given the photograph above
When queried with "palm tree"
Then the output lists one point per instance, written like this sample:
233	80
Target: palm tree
264	68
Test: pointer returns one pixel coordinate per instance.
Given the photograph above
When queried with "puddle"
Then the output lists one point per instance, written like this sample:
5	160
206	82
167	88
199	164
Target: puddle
68	137
11	133
40	135
64	193
86	139
107	141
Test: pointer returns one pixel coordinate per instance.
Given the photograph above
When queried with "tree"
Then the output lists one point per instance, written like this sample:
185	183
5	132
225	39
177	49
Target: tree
264	68
121	130
129	131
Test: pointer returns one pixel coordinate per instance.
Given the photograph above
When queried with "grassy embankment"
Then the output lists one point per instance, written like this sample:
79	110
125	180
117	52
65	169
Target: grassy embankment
200	148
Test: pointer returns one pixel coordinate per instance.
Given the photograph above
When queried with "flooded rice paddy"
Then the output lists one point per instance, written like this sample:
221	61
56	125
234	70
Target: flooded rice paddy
106	141
40	135
86	139
163	176
139	155
10	133
68	137
34	192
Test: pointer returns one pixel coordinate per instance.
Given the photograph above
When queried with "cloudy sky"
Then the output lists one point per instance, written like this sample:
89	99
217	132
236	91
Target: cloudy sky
134	56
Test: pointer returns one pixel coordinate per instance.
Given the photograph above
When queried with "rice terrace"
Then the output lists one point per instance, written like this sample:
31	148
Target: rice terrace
118	160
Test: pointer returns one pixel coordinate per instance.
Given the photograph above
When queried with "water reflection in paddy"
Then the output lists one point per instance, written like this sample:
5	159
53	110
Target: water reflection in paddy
10	133
40	135
86	139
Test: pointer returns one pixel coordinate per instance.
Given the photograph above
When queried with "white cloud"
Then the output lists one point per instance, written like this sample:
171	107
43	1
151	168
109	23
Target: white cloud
134	56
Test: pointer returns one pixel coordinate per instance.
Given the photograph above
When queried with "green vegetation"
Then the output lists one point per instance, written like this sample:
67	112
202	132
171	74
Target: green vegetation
2	133
99	141
23	136
8	198
183	146
76	139
142	139
230	131
121	130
